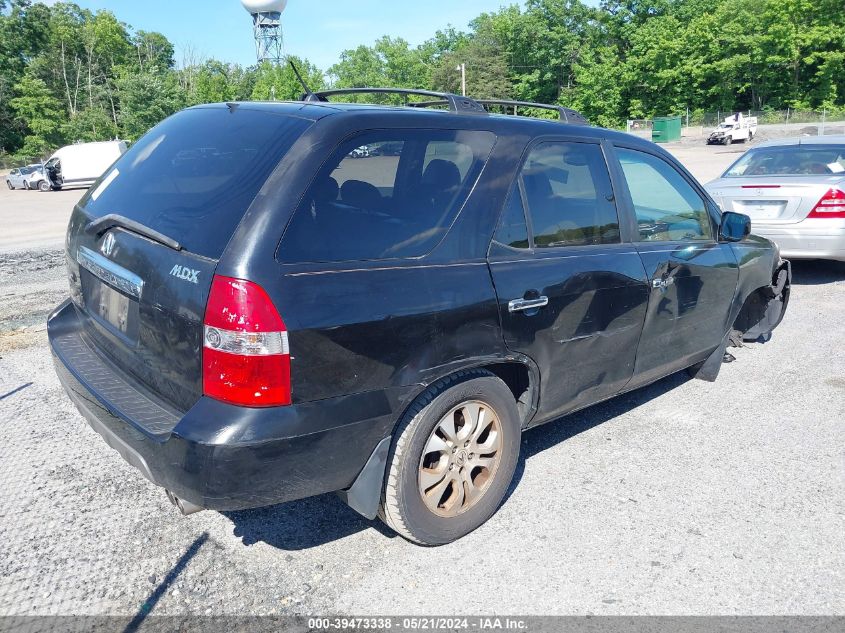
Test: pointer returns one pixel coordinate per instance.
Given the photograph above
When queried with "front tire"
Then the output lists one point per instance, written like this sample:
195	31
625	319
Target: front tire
452	459
44	186
9	184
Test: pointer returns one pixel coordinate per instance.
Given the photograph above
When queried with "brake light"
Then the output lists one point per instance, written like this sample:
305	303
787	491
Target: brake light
832	205
245	359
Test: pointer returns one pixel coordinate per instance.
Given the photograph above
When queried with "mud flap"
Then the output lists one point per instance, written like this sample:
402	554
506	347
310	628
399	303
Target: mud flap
364	495
709	368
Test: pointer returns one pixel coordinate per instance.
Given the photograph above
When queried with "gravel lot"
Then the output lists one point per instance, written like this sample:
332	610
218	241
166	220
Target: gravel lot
681	498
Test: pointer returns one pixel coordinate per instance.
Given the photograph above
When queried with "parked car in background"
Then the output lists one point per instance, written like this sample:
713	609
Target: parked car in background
78	165
276	318
734	128
360	152
35	175
18	178
794	192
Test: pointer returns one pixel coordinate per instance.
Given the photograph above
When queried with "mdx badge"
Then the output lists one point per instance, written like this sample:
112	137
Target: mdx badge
183	272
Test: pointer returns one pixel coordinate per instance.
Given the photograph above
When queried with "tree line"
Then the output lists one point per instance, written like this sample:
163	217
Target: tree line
69	74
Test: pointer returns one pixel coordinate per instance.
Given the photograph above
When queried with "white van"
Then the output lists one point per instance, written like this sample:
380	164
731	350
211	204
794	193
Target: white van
79	165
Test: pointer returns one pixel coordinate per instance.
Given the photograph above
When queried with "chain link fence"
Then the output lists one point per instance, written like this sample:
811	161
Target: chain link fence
773	117
780	122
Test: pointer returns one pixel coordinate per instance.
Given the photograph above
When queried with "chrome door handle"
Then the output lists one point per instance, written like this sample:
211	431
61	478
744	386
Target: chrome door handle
663	283
518	305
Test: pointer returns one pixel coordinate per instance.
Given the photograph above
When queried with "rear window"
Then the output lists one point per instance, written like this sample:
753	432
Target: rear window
386	194
796	160
193	176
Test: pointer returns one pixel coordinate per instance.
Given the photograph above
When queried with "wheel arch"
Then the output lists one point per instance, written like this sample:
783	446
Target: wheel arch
519	373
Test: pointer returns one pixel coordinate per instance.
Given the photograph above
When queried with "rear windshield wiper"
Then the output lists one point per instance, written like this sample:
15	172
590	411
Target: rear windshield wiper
103	224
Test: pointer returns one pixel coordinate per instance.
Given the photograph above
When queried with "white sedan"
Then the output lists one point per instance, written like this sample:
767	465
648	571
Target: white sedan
794	192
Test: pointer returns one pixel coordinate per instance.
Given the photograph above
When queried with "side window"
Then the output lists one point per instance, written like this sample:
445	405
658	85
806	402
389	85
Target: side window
457	153
569	195
667	207
512	229
386	194
365	164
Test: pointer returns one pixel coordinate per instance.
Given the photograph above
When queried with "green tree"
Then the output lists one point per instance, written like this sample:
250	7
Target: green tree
279	83
486	70
36	107
145	99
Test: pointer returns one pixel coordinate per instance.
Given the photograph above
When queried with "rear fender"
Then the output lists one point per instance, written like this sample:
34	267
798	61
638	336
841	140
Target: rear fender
364	495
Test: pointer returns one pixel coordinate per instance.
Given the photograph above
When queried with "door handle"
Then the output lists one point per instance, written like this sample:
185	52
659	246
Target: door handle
518	305
663	283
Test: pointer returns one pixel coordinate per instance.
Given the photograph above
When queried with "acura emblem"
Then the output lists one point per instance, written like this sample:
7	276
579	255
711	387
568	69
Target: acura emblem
108	245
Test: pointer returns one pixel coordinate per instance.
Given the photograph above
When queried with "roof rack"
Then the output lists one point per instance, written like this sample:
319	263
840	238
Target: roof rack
567	115
456	103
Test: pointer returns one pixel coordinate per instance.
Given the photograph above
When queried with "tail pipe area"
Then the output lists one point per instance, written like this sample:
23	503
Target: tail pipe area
185	507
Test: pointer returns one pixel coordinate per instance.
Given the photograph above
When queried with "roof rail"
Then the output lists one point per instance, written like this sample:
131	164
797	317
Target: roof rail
456	103
567	115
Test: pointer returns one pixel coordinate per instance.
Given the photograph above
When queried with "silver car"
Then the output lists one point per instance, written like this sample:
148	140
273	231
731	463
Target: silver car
18	178
794	192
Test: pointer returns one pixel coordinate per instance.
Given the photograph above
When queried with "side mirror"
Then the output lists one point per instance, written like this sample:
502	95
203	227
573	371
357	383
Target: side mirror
735	227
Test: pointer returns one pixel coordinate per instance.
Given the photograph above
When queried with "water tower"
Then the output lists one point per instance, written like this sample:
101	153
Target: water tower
267	28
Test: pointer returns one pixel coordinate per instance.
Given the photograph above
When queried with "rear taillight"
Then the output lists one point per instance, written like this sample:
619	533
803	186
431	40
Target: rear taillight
832	205
245	357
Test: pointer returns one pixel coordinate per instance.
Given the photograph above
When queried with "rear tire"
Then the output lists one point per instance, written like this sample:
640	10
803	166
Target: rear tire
452	459
26	185
728	140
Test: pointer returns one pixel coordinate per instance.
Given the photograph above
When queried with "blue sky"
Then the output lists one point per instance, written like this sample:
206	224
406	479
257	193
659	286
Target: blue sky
318	29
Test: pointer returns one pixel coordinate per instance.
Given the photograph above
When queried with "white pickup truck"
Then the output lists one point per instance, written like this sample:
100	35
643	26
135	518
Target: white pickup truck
734	128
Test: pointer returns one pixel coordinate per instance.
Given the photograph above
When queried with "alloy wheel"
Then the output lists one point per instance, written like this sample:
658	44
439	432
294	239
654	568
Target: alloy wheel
460	458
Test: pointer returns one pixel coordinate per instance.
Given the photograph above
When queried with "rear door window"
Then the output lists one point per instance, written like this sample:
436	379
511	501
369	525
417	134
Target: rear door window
386	194
193	176
569	195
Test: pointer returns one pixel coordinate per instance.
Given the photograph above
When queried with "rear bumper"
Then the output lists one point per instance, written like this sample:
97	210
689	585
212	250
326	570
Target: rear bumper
810	239
219	456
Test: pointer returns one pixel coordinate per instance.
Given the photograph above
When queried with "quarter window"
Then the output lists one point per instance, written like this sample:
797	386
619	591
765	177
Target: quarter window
386	194
513	231
569	196
667	207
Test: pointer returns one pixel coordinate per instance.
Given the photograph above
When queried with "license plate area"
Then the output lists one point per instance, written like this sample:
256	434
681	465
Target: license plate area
110	308
111	294
759	210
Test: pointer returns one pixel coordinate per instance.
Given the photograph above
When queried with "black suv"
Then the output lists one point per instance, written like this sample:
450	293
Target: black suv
275	300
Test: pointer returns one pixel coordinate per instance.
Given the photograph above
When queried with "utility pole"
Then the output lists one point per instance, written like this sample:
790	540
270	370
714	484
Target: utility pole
463	69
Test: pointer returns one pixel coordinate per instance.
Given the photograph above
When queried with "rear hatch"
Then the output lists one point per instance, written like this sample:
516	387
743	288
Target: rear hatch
144	242
772	200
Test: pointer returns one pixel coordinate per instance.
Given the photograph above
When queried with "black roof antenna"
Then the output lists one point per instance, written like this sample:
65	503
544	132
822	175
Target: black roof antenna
310	95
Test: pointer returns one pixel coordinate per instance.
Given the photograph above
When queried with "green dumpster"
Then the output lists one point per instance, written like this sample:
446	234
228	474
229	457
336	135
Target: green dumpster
666	129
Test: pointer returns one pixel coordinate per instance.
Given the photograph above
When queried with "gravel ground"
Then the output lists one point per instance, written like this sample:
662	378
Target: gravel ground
681	498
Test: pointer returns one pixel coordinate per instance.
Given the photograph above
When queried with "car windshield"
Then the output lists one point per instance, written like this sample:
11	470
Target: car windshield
790	160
